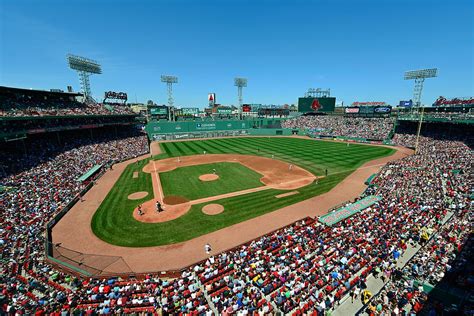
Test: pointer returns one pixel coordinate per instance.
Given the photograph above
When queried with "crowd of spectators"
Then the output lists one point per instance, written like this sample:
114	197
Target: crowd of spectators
442	168
303	268
431	264
360	127
309	267
449	116
42	124
10	107
32	188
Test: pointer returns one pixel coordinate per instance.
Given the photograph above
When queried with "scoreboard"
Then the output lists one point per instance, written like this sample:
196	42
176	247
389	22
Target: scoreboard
311	104
160	112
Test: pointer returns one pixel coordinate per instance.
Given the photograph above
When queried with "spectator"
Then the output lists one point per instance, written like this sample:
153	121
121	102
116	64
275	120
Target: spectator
357	127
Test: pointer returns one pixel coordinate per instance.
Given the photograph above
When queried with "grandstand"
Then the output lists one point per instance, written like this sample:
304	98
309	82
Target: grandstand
27	112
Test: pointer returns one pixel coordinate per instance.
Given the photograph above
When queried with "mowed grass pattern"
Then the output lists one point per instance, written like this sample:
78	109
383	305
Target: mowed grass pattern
113	222
185	181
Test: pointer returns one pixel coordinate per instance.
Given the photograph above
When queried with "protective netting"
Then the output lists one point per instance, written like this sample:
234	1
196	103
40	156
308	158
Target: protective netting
90	264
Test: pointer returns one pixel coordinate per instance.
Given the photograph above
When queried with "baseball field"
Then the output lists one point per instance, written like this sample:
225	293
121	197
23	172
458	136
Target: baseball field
243	177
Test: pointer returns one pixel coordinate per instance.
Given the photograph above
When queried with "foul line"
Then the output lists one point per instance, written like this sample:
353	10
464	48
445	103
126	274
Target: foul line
158	183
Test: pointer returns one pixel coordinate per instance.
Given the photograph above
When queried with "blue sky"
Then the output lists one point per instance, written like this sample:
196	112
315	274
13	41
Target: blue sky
359	49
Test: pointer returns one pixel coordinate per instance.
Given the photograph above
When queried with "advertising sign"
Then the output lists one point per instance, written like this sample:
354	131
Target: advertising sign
224	110
190	111
206	126
383	109
352	110
162	110
116	95
368	103
406	103
246	108
349	210
211	97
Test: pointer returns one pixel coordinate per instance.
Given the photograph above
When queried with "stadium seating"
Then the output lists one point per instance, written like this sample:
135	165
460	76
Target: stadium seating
356	127
305	268
23	102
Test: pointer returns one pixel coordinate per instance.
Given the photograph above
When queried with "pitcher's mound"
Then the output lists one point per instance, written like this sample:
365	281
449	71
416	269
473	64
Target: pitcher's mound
174	200
212	209
137	195
208	177
170	212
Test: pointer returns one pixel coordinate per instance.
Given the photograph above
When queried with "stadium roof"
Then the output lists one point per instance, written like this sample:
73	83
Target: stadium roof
4	89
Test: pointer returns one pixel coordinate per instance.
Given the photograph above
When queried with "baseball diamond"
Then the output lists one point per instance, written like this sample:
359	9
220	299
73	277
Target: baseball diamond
115	223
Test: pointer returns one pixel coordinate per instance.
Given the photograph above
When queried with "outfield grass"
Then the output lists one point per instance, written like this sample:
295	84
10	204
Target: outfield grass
114	223
184	181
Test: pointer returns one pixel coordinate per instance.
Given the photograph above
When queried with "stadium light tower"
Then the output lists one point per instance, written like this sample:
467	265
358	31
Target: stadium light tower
240	83
84	67
169	80
419	76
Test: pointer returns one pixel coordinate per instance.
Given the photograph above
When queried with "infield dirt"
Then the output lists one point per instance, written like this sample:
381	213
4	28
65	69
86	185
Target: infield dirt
276	174
212	209
208	177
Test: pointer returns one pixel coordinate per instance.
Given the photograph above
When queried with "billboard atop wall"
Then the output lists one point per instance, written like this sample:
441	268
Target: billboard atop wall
383	109
406	103
352	110
368	103
190	111
159	110
223	110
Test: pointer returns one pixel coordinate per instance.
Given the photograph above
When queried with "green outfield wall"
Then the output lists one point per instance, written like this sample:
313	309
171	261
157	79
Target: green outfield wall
164	127
164	130
274	132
